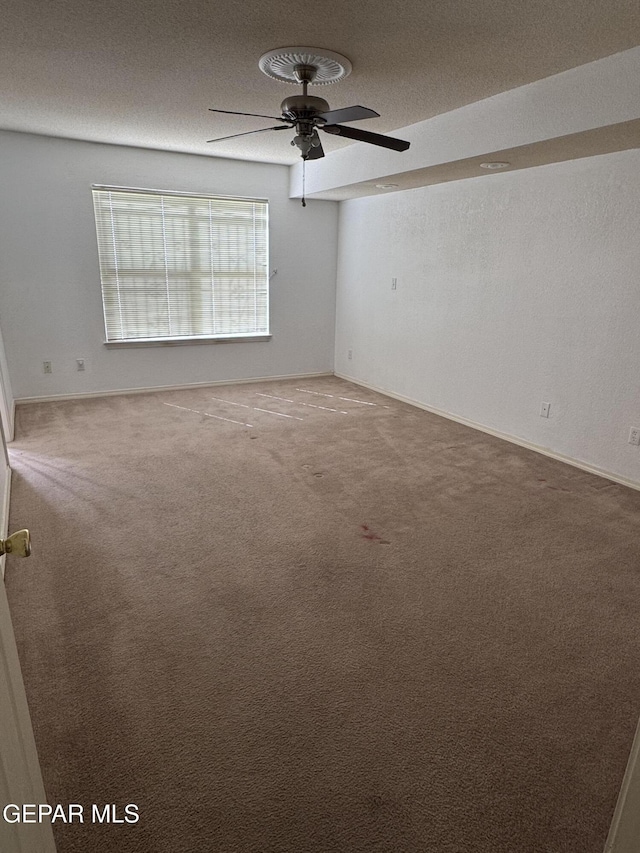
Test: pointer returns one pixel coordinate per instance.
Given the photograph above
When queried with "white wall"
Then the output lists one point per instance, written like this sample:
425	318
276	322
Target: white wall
50	304
513	289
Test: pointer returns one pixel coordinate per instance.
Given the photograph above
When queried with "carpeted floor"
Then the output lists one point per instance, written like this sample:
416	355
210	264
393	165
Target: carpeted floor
359	627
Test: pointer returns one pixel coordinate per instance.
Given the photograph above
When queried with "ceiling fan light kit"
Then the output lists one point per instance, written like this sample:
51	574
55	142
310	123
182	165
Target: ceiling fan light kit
306	114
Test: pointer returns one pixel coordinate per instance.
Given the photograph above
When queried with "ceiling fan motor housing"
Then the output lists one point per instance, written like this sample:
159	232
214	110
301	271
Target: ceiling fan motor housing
303	107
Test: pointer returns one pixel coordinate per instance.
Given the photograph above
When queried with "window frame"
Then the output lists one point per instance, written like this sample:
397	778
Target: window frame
182	340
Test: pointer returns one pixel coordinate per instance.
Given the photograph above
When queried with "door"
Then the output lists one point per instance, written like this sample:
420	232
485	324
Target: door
20	777
6	395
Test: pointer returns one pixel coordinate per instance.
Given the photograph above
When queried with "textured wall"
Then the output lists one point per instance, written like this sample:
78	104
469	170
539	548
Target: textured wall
50	303
513	289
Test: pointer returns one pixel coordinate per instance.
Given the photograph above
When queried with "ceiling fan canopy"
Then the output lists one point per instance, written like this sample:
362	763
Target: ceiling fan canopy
307	113
283	64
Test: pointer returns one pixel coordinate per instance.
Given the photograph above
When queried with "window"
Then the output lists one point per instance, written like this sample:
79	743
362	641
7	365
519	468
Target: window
177	267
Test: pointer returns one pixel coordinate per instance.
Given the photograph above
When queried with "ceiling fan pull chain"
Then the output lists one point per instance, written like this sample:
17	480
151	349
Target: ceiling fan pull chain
304	174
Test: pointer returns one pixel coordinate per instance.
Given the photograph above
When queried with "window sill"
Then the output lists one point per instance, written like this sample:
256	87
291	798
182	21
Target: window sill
172	342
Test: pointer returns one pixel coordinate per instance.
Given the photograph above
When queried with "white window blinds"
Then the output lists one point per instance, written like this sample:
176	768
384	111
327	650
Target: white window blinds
178	267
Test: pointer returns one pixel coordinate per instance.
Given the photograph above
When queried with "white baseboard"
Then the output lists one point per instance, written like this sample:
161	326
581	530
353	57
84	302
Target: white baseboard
7	428
11	426
9	409
577	463
624	833
118	392
4	515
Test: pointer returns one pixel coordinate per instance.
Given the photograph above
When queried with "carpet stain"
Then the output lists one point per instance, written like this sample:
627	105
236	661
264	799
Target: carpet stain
375	802
371	536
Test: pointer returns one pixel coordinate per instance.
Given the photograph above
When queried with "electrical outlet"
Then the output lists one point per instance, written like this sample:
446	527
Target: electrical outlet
79	363
46	367
394	284
634	435
544	410
350	354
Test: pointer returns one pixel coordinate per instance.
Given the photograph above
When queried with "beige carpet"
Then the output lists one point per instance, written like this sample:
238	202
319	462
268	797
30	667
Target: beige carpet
359	627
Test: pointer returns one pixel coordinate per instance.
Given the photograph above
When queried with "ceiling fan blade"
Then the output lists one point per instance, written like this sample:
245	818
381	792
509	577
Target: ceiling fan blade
247	132
317	151
367	136
255	115
348	114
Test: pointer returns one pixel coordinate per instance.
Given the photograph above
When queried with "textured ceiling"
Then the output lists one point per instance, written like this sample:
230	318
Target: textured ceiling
144	73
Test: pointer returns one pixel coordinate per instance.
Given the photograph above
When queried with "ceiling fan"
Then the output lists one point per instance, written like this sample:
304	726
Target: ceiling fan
308	114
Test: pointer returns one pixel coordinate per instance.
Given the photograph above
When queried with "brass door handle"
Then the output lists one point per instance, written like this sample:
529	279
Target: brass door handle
19	544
